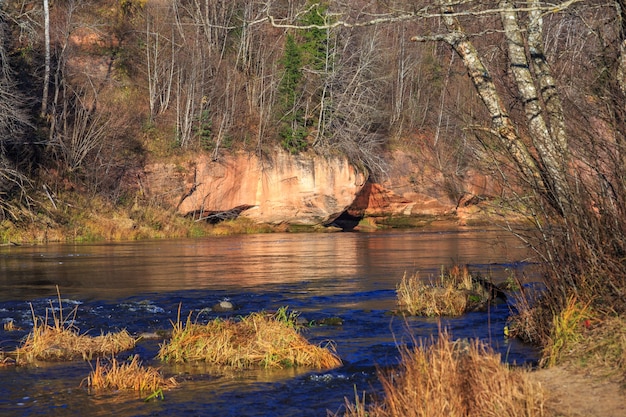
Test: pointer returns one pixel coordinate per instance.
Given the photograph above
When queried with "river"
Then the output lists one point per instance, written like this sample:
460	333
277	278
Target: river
139	286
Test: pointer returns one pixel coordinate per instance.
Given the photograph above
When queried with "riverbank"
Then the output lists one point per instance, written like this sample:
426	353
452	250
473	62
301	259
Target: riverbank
72	217
575	393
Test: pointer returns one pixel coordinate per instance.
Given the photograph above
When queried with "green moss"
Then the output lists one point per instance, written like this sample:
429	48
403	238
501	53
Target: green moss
402	222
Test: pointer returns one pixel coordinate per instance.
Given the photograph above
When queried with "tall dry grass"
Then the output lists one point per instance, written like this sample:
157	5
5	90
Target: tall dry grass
567	327
130	375
257	340
453	379
55	338
453	293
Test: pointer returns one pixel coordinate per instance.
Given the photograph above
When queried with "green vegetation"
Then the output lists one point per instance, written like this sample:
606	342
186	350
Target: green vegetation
258	340
293	130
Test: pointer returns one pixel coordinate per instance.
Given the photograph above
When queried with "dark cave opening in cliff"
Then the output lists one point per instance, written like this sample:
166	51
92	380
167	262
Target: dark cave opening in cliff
345	221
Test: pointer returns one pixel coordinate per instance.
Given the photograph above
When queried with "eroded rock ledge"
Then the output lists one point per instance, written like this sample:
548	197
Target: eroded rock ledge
303	190
300	189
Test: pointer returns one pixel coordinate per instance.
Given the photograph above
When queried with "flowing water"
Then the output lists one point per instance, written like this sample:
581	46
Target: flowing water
139	286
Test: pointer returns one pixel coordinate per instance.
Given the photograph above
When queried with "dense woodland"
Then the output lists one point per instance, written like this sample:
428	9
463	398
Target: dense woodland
531	92
118	80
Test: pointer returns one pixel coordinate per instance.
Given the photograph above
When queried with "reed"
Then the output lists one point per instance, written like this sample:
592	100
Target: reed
583	337
453	379
257	340
129	375
454	293
6	360
600	348
55	338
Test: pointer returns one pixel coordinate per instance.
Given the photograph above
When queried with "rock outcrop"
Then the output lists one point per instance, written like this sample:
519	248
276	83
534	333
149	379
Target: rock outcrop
311	190
300	189
412	188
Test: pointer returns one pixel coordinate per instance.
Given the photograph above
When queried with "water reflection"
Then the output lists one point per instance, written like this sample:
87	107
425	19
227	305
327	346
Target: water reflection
360	260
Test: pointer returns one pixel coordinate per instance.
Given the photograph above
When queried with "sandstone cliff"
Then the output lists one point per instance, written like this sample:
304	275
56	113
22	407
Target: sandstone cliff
301	189
305	189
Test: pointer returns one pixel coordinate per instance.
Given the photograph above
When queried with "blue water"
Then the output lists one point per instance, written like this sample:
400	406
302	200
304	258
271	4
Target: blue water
139	286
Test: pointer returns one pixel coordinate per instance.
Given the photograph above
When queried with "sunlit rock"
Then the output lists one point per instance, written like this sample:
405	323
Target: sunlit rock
301	189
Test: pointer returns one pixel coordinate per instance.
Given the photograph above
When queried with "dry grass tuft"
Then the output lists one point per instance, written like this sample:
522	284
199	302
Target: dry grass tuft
450	379
257	340
61	340
130	375
9	326
452	294
6	360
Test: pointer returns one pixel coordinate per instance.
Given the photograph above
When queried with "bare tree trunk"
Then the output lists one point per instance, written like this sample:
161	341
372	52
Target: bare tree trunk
546	83
504	128
159	64
620	5
550	151
46	73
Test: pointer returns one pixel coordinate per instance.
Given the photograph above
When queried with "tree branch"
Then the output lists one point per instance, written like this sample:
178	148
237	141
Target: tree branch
424	13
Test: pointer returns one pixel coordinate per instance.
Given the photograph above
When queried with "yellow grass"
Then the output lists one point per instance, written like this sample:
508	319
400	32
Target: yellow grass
131	375
257	340
10	326
567	328
5	360
452	294
596	343
55	339
453	379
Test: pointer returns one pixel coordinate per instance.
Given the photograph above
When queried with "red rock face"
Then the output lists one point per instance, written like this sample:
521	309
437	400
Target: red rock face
375	200
309	189
291	189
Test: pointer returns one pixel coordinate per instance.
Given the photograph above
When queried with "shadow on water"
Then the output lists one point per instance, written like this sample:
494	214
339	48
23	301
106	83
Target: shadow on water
139	286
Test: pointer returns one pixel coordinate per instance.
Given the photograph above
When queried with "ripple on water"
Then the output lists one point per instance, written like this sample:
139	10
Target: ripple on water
146	306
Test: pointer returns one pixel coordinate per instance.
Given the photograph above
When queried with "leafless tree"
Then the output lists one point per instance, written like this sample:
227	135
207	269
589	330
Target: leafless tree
355	122
14	185
161	52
